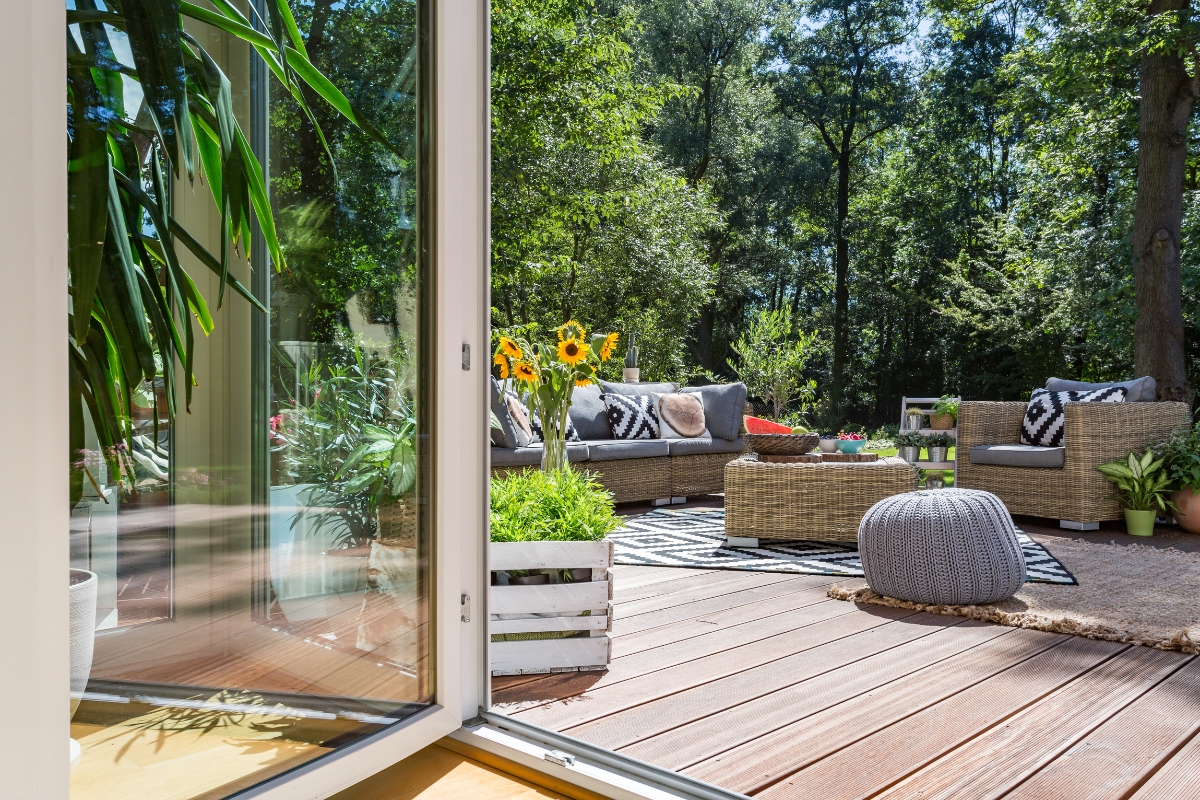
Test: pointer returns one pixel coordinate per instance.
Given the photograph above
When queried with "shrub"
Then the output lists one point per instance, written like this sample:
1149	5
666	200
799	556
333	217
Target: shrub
535	506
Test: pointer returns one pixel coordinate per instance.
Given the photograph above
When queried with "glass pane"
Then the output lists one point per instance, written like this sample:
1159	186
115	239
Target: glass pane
250	551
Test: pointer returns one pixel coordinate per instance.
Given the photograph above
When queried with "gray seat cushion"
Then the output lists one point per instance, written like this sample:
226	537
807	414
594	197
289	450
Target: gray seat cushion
506	434
1138	390
636	389
724	404
702	445
587	413
532	455
1018	455
612	450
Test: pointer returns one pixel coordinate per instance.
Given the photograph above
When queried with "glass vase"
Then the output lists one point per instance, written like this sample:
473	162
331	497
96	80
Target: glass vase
554	453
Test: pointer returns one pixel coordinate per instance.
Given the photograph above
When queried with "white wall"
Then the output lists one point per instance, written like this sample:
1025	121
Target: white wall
33	403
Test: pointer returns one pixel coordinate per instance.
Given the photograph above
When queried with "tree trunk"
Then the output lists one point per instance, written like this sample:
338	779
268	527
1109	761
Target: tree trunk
1168	94
841	290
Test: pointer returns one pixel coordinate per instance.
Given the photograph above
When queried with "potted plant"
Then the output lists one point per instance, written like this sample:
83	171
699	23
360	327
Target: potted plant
938	446
631	373
1144	489
550	594
1180	453
913	417
910	444
945	413
550	375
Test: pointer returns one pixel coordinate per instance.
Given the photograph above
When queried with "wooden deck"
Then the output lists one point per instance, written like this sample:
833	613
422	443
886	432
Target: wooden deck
761	684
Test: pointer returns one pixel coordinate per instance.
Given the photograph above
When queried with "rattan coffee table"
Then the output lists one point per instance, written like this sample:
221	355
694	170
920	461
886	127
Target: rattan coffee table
824	502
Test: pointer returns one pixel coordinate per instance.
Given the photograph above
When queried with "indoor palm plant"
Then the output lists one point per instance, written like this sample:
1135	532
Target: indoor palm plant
1143	487
132	302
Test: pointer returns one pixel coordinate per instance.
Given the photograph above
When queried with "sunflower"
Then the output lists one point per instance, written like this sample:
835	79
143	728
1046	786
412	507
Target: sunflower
606	349
581	382
571	330
572	351
502	363
525	372
509	348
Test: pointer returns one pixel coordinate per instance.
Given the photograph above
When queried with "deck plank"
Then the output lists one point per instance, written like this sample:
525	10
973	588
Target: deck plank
1178	779
908	743
699	722
660	585
624	624
699	647
626	694
628	644
1013	749
1128	748
690	726
709	587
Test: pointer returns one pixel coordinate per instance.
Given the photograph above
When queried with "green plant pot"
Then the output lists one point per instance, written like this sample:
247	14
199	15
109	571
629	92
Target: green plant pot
1139	523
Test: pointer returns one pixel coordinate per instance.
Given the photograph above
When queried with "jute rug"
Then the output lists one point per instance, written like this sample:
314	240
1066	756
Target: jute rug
1126	593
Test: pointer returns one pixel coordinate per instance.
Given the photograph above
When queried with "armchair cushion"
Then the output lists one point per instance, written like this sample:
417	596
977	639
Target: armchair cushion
1018	455
1045	420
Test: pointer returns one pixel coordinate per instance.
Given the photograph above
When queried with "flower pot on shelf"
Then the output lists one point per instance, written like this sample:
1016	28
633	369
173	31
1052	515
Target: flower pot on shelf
1139	523
1187	503
941	422
559	626
630	375
913	422
910	454
938	453
84	586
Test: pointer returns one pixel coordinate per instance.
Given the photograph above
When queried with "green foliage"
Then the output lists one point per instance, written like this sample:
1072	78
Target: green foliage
946	405
771	360
1180	454
938	440
909	439
536	506
1142	483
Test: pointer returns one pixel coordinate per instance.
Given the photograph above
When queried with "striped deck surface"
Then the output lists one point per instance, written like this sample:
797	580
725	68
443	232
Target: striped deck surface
759	683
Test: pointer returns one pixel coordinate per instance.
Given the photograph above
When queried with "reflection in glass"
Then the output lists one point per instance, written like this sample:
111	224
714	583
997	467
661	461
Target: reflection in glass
261	557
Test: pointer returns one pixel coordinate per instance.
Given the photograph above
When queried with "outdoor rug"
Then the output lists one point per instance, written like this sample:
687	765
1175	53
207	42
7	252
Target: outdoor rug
1126	593
695	537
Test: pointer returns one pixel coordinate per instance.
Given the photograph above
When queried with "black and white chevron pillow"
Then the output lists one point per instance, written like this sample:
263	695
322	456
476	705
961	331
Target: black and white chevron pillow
631	417
535	425
1045	421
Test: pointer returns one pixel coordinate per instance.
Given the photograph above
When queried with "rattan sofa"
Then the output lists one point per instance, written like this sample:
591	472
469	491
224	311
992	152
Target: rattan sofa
661	469
1074	493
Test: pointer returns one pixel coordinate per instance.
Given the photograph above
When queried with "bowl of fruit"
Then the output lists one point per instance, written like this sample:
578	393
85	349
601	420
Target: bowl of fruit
851	442
828	444
774	438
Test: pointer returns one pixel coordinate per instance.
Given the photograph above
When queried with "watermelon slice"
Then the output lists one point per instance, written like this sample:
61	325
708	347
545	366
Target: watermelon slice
760	425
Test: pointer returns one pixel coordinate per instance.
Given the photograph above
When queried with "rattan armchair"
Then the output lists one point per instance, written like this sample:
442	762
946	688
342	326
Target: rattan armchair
1075	494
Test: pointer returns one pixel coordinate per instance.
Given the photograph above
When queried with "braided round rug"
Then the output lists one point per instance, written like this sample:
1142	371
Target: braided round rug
695	537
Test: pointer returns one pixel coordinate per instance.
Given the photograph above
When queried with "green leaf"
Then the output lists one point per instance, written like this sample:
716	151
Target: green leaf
156	42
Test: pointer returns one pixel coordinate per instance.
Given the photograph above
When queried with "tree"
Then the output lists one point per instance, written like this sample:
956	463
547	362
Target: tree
771	361
839	69
1168	95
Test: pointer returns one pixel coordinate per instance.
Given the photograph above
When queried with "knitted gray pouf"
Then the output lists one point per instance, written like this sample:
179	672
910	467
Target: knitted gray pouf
941	546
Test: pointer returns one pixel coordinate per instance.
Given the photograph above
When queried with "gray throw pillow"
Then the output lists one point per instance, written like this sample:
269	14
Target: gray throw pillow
588	414
636	389
1138	390
506	434
724	404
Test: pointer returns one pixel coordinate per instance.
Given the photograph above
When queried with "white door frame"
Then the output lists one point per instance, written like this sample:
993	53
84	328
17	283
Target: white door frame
33	307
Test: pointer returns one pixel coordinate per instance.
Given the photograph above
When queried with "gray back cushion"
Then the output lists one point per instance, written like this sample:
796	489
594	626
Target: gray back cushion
637	389
587	413
723	407
1138	390
507	435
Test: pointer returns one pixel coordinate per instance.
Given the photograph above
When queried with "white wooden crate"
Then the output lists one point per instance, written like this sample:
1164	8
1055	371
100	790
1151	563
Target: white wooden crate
558	605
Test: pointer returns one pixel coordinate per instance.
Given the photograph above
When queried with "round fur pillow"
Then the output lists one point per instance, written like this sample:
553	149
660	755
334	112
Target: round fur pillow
683	412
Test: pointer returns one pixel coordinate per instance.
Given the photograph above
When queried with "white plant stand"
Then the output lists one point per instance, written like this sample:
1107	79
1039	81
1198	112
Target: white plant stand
922	402
552	607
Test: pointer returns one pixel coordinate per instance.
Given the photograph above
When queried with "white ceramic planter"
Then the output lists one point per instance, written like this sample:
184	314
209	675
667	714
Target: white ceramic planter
551	608
629	375
84	584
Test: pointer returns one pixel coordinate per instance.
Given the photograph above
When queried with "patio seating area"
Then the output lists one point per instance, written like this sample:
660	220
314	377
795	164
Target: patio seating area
761	684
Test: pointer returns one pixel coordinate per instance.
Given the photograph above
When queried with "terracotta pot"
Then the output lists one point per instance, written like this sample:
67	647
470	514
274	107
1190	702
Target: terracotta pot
1139	523
1188	515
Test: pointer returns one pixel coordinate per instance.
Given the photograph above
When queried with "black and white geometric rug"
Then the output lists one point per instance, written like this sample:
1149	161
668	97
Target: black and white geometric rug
695	537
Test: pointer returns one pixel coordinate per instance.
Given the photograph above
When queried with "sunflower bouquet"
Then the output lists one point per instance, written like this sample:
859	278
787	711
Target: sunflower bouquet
549	374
